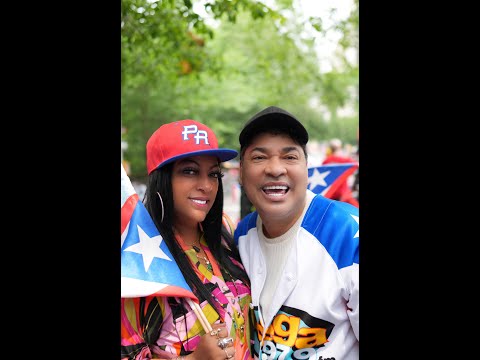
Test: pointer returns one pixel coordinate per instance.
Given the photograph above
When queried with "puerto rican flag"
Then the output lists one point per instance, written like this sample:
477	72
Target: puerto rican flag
325	179
147	266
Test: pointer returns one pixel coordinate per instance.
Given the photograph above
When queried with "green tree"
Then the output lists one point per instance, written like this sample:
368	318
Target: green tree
176	66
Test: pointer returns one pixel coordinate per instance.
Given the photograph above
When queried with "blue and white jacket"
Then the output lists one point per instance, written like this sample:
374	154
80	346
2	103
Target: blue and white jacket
316	303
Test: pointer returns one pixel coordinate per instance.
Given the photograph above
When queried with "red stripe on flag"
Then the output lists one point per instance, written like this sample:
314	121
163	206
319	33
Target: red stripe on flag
176	291
338	181
127	211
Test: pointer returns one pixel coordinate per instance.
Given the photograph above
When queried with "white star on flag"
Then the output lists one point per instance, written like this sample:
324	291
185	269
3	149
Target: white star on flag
317	178
357	234
148	247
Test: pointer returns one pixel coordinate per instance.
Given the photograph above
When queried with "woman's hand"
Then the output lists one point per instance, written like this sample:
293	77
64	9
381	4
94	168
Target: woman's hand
210	345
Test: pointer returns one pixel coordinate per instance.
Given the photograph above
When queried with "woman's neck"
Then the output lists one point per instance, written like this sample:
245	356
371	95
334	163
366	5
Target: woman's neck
190	235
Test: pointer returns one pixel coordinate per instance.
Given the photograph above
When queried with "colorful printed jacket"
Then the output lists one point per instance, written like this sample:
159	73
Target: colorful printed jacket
162	327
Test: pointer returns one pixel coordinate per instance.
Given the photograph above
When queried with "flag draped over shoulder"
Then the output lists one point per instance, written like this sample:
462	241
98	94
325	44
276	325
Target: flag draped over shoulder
325	179
147	266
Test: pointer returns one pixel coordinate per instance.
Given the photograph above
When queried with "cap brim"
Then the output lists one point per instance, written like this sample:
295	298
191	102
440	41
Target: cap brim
221	154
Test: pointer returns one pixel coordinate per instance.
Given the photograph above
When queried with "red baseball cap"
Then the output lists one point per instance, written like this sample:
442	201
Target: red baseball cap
180	139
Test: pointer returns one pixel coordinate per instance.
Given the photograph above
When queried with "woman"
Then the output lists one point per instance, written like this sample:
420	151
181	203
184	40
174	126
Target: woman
184	197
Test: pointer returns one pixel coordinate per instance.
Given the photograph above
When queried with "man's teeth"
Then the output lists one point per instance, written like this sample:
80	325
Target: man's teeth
276	190
277	187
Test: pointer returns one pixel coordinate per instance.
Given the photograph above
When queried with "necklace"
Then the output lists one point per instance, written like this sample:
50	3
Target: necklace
208	264
237	317
233	299
194	255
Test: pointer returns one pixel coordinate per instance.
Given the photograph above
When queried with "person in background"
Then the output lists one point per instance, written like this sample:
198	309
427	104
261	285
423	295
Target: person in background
184	197
335	156
300	249
356	179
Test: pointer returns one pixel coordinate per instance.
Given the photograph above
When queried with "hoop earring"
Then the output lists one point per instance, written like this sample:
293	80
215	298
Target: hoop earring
161	202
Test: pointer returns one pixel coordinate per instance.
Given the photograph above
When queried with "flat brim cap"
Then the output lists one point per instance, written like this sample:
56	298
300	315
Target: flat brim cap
273	118
181	139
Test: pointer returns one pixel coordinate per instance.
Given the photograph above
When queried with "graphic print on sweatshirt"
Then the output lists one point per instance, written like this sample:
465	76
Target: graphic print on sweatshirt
293	334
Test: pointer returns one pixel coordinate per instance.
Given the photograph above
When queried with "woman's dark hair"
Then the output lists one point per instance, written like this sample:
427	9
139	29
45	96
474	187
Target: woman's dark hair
160	181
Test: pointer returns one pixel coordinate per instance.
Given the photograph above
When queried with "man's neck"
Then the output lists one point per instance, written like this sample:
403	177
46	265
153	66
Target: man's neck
273	227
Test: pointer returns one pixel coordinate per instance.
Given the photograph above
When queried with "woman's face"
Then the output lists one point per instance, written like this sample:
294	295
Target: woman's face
195	186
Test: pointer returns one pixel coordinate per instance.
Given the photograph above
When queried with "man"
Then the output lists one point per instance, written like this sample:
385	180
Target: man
299	249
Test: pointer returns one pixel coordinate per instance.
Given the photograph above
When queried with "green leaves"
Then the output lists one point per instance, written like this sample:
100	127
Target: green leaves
222	65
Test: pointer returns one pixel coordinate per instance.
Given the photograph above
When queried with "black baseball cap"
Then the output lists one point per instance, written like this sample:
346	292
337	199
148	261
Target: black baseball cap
273	118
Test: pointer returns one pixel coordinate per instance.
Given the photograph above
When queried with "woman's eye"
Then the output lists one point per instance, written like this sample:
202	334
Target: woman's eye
217	174
190	171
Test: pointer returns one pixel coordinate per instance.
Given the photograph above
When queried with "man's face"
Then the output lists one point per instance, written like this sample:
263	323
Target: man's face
274	175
